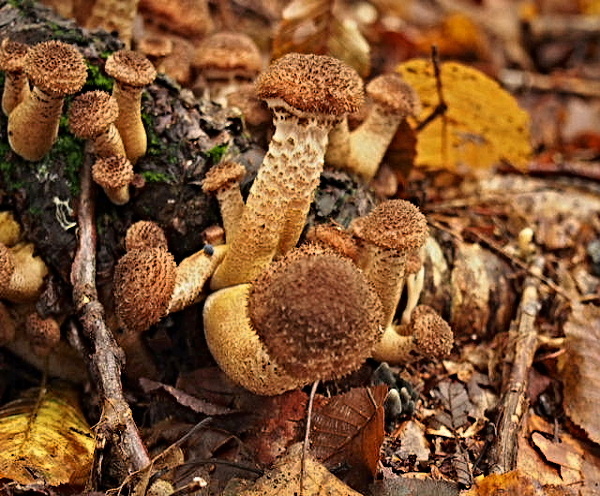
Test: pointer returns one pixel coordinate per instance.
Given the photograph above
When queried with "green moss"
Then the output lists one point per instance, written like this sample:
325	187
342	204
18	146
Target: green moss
70	151
216	153
97	79
157	177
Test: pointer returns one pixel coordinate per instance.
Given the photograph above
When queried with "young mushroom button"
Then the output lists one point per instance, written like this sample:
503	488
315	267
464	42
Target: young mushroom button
307	94
12	62
132	71
309	316
92	116
56	70
114	175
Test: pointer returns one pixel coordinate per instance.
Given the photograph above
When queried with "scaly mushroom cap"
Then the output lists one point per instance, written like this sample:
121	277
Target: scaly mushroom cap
143	283
12	55
222	175
7	266
131	68
56	68
145	234
394	225
316	314
112	172
312	83
432	334
394	94
42	334
91	113
228	52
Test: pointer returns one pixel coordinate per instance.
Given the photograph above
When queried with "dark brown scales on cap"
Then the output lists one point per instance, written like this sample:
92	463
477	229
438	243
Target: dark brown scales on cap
43	334
432	334
394	94
316	314
12	55
393	225
112	172
145	234
228	52
131	68
312	83
56	68
143	284
91	113
222	175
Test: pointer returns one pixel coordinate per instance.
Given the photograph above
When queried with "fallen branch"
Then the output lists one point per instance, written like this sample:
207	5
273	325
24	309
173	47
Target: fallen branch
514	403
116	428
515	80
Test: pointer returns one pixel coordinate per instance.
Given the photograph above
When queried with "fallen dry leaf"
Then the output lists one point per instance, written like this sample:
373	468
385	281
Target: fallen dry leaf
45	438
482	126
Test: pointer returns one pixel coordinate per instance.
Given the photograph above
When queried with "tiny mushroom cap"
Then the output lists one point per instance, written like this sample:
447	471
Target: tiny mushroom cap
145	234
394	94
56	68
42	333
316	84
92	115
225	55
393	225
316	314
114	174
223	175
131	68
432	334
143	283
12	61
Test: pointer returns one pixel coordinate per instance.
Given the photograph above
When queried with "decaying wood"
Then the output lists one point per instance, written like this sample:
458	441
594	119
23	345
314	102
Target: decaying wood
514	402
116	427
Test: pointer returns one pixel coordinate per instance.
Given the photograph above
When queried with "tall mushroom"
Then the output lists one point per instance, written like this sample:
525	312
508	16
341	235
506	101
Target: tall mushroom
12	62
132	71
55	69
307	94
311	315
392	100
92	117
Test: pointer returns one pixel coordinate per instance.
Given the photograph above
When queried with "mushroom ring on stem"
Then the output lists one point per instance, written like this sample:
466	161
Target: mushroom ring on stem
311	315
307	94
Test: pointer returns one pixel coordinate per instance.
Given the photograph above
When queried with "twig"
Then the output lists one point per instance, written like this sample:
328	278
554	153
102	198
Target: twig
514	402
116	427
515	80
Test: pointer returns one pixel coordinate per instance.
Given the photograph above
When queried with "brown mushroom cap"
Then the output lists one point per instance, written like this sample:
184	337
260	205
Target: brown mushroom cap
143	283
394	94
229	52
222	175
316	314
145	234
432	334
43	333
7	266
334	237
312	83
12	55
130	67
56	68
91	113
112	172
393	224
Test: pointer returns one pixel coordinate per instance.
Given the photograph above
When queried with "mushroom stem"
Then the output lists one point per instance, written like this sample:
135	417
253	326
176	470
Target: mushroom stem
16	89
109	143
338	148
38	115
414	286
394	348
129	122
231	205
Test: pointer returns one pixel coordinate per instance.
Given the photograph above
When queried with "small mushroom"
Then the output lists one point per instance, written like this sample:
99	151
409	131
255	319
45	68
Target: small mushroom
43	334
12	62
427	334
223	180
224	60
311	315
21	273
393	100
132	71
307	94
10	230
92	117
145	234
55	69
114	175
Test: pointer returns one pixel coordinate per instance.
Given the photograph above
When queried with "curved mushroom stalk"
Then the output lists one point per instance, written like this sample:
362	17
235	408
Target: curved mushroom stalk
307	94
12	62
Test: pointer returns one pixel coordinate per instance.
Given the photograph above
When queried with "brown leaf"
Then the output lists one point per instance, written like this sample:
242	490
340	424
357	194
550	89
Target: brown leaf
581	369
456	403
348	431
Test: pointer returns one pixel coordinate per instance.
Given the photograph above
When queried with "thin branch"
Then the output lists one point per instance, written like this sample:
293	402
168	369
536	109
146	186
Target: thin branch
116	427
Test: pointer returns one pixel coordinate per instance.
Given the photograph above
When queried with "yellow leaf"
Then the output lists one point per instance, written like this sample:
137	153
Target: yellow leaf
45	438
482	126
